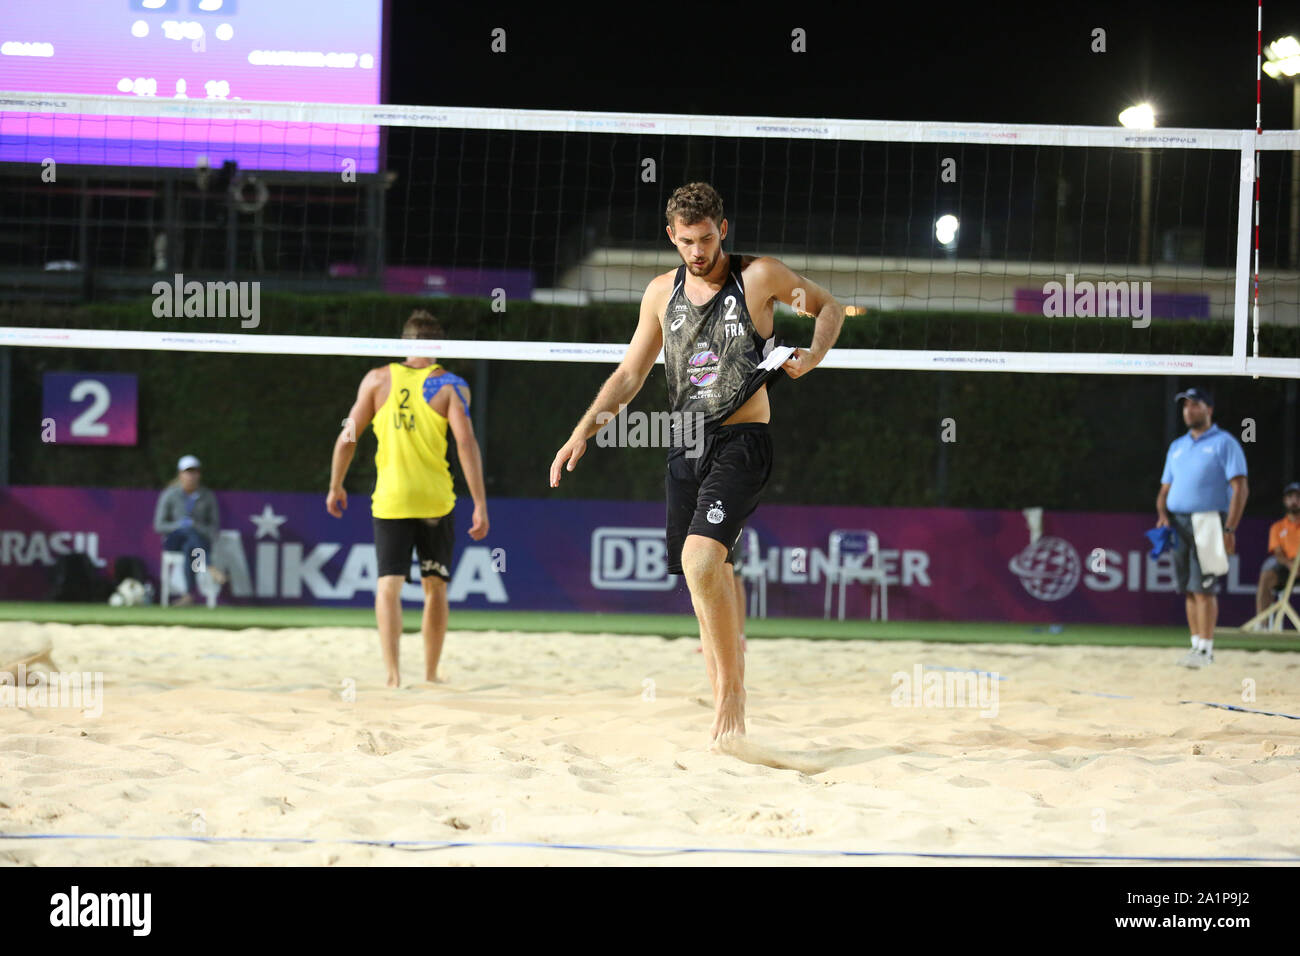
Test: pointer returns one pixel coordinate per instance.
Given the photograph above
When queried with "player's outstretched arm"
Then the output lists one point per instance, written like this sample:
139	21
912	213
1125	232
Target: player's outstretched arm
345	446
622	386
471	462
803	295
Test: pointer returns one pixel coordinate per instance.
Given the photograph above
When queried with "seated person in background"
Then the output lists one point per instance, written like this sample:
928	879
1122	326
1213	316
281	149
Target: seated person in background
1283	542
187	514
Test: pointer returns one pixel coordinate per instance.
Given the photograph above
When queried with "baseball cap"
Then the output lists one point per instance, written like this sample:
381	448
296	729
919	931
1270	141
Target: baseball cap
1196	394
1294	486
187	462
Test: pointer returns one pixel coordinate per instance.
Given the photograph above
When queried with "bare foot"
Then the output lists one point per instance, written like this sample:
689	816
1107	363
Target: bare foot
731	744
435	679
394	680
730	716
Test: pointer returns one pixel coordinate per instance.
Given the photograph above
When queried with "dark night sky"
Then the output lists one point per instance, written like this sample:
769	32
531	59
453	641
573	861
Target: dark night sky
978	62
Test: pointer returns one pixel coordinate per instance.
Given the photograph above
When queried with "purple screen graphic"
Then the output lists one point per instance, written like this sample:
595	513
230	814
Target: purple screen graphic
290	50
89	408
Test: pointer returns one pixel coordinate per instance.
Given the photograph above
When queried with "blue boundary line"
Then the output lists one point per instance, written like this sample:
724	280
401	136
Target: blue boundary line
655	850
1244	710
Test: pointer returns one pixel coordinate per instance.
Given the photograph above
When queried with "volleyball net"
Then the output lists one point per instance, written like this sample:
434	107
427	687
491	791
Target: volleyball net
153	223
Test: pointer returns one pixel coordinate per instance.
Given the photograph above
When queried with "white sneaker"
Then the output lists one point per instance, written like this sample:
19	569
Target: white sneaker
1196	659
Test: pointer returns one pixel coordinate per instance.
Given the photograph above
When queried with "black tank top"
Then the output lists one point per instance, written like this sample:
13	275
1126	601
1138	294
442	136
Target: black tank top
711	352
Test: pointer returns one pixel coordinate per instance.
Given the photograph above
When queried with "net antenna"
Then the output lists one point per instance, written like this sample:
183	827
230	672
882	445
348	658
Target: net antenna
1259	131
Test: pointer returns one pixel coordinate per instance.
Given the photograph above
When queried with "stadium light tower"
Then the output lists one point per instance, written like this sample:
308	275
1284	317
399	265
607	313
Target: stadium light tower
1282	62
1142	116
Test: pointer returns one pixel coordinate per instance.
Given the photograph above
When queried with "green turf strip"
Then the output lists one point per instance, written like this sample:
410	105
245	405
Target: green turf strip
664	625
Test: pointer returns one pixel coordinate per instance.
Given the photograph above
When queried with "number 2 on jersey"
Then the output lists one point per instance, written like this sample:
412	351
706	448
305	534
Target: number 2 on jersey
402	419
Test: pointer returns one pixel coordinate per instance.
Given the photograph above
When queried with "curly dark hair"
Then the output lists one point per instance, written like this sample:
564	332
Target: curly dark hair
694	203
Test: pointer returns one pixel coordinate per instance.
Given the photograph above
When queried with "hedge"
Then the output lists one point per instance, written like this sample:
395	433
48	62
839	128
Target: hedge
1078	442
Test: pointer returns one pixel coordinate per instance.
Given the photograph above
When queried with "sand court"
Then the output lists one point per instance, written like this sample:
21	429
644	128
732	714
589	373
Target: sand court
289	734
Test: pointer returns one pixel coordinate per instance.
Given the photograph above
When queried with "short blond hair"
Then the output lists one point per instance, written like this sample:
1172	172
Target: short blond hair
422	325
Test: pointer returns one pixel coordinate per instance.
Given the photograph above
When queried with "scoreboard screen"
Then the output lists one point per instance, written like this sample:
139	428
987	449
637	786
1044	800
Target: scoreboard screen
321	51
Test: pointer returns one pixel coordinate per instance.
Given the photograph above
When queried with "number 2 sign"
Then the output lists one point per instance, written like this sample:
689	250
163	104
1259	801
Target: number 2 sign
90	408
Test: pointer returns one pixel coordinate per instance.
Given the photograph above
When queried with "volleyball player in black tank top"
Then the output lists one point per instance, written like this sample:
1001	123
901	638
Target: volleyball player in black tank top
711	357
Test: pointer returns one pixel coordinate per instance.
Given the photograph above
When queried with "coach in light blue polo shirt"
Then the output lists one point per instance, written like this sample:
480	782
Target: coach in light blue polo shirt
1205	471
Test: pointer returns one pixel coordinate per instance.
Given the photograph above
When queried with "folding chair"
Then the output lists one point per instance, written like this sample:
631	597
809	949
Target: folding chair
173	569
849	553
754	573
1280	611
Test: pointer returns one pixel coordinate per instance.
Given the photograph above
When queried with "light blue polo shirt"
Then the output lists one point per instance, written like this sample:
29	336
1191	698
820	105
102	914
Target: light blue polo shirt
1198	471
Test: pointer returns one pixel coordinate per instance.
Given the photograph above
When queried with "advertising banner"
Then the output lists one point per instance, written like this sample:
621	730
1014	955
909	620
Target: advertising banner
609	556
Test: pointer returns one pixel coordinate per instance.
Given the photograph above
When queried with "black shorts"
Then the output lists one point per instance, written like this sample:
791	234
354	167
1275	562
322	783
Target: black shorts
714	495
1187	566
431	538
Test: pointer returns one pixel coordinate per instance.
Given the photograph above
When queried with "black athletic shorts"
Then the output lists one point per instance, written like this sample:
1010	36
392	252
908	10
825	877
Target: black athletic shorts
431	538
1187	566
714	495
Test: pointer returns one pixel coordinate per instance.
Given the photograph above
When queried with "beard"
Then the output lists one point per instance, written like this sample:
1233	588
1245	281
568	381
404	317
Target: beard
706	268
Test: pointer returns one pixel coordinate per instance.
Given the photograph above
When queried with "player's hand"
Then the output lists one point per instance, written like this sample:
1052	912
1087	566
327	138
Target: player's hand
336	502
479	526
567	458
801	363
1230	542
1162	521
